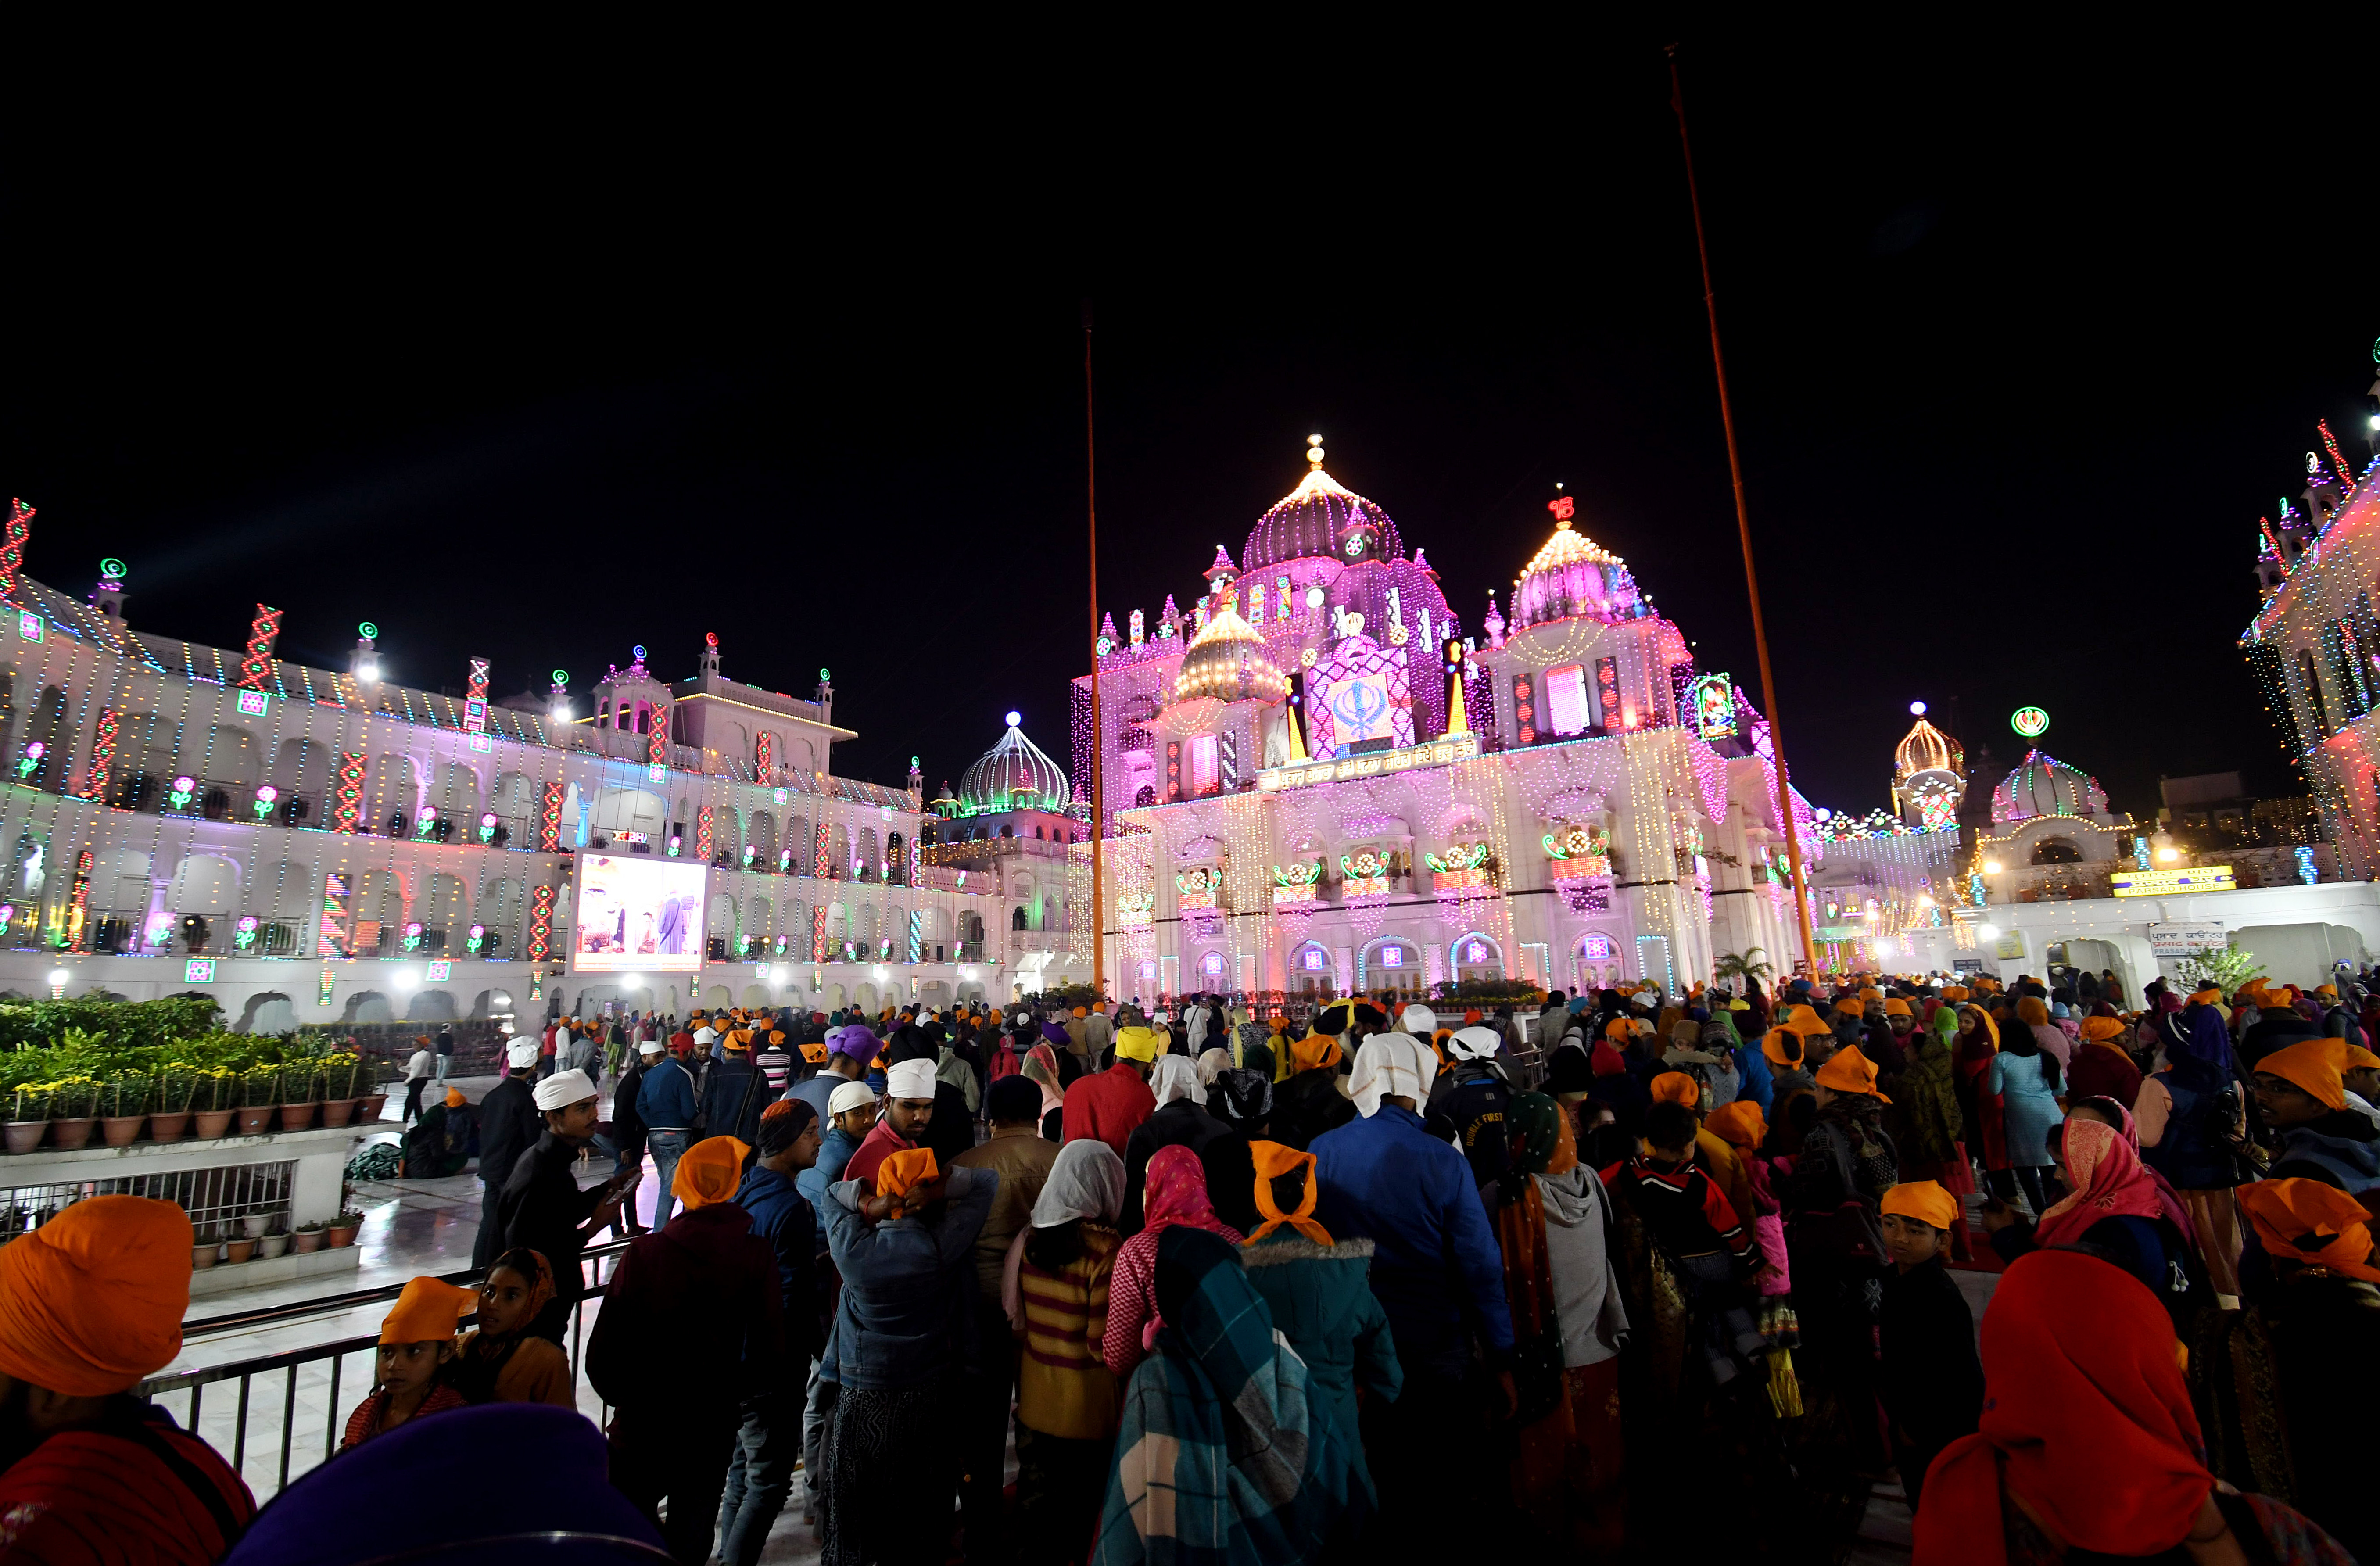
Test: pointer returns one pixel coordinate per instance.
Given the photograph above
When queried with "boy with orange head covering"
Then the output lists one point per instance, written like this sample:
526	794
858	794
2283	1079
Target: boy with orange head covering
2301	1091
1932	1382
416	1356
91	1303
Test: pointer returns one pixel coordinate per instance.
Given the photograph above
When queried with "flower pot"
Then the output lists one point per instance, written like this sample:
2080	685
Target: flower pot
305	1242
71	1134
121	1131
338	1111
168	1128
213	1123
253	1226
24	1135
271	1246
341	1236
204	1253
370	1110
239	1250
253	1121
296	1117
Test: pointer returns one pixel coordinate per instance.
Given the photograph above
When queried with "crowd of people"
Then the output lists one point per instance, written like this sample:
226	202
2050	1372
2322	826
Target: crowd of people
1661	1271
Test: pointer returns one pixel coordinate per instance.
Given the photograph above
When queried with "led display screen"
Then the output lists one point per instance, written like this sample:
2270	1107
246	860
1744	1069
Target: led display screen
636	914
1566	709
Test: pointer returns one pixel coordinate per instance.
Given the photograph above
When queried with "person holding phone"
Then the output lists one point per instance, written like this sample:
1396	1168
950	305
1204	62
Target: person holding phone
542	1206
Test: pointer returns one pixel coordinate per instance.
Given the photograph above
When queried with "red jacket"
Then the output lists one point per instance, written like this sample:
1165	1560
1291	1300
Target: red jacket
881	1143
1109	1105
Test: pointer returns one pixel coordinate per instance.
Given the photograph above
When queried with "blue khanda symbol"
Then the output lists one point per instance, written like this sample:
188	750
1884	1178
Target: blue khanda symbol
1359	707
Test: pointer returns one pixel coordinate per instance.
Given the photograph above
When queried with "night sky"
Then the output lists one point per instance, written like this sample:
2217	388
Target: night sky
2024	340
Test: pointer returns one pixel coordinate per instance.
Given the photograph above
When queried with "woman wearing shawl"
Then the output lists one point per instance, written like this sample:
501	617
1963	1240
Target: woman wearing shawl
1223	1454
1056	1294
1182	1119
1932	1128
2190	1112
2088	1441
2102	1069
1309	1103
2116	1211
1987	1125
1742	1126
1551	1215
501	1360
1320	1294
2025	1079
1040	1068
1176	1195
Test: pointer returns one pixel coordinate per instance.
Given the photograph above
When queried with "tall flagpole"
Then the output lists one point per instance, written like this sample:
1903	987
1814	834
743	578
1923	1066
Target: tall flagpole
1743	533
1099	790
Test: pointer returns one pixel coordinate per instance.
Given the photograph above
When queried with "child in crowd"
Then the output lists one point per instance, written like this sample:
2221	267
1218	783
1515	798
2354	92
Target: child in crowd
1932	1381
501	1360
416	1343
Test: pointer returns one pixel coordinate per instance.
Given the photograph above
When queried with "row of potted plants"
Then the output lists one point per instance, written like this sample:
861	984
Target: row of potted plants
214	1084
262	1238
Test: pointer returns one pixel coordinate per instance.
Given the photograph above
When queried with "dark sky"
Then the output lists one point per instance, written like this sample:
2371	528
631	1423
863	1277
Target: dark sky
2024	336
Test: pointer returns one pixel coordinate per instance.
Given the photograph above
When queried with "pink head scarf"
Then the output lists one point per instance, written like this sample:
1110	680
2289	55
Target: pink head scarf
2109	1181
1176	1193
1041	1069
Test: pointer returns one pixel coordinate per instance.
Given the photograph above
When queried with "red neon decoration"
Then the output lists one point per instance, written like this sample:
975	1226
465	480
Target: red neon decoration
549	820
658	749
818	933
764	751
540	923
476	688
263	632
348	807
1563	508
702	834
2330	444
12	548
102	756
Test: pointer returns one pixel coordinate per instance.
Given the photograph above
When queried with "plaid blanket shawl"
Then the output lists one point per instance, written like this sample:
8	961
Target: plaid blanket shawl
1222	1456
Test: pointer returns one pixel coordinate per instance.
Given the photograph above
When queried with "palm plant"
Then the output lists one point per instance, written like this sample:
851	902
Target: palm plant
1749	963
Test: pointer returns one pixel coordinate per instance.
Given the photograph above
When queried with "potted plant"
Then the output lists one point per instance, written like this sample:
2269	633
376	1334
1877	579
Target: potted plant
123	1107
205	1248
73	1103
374	1095
259	1086
254	1224
238	1248
28	1116
268	1247
301	1088
214	1100
343	1076
169	1101
342	1230
308	1237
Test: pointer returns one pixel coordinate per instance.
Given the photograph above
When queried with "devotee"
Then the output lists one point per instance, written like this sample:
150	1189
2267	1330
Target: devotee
1713	1152
2101	1068
1182	1119
667	1101
1474	1099
501	1360
760	1465
416	1345
508	1125
1110	1104
950	1130
434	1147
1932	1124
1743	1128
1832	1210
628	1125
846	1061
1022	1158
677	1395
1930	1377
2188	1113
1437	1274
1176	1194
909	1109
91	1305
2115	1208
901	1243
543	1208
2024	1077
2087	1441
1043	1067
1308	1102
736	1093
2301	1093
1225	1413
418	1073
1067	1401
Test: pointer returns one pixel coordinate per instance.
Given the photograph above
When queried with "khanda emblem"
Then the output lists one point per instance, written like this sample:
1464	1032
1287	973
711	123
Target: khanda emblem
1359	706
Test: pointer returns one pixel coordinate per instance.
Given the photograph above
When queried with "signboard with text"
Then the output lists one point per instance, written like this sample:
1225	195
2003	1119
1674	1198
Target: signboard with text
2181	939
2172	883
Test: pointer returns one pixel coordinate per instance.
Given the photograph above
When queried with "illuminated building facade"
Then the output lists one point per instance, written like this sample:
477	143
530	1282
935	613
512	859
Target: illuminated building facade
309	845
1316	782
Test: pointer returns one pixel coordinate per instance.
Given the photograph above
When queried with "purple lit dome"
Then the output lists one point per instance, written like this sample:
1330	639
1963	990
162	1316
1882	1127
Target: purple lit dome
1229	661
1012	775
1320	520
1574	578
2044	786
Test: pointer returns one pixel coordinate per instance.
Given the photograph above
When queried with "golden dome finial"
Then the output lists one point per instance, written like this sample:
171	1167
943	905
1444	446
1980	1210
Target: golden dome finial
1314	451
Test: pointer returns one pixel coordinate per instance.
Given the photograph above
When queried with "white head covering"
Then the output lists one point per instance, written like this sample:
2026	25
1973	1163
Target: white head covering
1417	1020
1087	1181
851	1095
910	1079
522	1053
1211	1064
652	1047
1176	1076
562	1088
1390	1062
1475	1043
706	1034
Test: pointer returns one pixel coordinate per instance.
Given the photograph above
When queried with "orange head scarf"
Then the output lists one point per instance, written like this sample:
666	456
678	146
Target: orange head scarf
1739	1125
1772	1045
1985	1024
1849	1072
2104	1030
1804	1023
2311	1222
2315	1065
1676	1087
92	1300
2030	1011
1924	1200
2091	1431
1273	1160
709	1173
1316	1050
428	1311
897	1174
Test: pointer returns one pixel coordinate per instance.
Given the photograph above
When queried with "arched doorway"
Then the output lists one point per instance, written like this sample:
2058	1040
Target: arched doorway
1478	956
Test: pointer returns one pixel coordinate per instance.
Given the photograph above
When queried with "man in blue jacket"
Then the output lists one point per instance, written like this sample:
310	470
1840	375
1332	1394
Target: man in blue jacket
760	1474
1439	1276
665	1102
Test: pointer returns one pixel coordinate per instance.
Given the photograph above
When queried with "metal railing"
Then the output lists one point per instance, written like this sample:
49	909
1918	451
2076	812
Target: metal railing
288	1365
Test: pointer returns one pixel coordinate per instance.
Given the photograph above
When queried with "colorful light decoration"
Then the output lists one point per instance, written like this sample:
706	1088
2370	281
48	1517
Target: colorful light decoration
540	925
12	550
1297	882
7	916
2030	722
1135	907
1197	887
30	761
488	826
263	632
1462	872
476	940
262	804
549	819
347	799
427	822
244	932
1365	874
102	755
180	793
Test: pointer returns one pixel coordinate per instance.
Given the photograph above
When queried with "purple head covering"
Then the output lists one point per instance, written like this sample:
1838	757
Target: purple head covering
1056	1037
2198	1048
854	1040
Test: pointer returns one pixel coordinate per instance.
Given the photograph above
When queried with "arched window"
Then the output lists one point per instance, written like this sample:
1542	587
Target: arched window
2057	851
